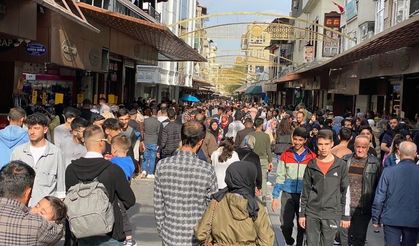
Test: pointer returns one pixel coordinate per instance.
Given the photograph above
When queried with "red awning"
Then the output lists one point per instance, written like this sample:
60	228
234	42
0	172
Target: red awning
288	77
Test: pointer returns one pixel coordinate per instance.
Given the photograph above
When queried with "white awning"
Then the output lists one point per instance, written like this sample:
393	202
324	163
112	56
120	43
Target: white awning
68	9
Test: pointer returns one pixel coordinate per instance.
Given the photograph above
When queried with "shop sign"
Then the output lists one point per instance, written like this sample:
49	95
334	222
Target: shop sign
147	74
308	53
69	50
30	76
6	44
351	10
35	49
331	39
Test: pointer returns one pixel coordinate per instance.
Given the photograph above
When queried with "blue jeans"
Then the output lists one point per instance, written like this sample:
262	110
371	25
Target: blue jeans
392	235
98	240
150	153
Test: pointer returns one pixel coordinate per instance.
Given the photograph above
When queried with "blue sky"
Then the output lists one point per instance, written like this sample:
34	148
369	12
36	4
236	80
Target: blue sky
219	6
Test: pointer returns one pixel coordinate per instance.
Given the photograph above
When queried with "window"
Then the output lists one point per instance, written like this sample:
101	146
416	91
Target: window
379	17
184	10
400	11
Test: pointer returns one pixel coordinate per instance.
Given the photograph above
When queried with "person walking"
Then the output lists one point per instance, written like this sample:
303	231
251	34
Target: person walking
151	133
246	153
263	149
290	172
13	135
183	186
235	216
74	149
170	136
342	149
44	157
324	200
94	166
248	128
364	173
222	158
396	204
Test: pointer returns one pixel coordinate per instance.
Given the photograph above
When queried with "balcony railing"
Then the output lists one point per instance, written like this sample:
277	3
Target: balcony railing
149	9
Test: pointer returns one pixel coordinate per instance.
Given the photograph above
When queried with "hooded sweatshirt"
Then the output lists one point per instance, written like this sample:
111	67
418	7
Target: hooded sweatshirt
112	177
10	137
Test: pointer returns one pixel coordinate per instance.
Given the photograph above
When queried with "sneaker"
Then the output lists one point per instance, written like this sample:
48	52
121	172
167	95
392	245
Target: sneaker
143	174
150	176
268	183
290	241
130	242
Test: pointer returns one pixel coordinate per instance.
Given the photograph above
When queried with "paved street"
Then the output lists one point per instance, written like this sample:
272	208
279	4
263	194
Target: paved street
142	217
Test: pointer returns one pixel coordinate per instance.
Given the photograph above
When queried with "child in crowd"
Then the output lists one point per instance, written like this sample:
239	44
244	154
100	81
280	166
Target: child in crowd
120	145
51	208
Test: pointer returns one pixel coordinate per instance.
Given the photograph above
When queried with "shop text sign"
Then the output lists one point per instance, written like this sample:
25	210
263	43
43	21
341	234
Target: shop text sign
36	49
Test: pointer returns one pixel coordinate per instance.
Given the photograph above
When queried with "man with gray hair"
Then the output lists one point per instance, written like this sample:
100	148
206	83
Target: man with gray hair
246	153
13	135
396	203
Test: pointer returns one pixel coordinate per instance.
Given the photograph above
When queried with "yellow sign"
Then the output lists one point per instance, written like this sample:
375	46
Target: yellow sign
34	97
112	99
59	98
44	98
80	98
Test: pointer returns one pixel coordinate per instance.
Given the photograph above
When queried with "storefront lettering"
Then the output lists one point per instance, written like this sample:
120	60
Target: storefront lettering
69	51
35	49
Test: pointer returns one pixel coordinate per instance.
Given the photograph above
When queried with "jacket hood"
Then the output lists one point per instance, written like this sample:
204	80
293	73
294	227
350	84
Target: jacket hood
13	135
86	169
238	206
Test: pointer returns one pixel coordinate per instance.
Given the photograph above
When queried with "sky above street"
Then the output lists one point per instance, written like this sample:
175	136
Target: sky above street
281	7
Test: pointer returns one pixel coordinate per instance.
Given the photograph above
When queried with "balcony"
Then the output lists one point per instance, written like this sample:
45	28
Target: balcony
149	9
125	7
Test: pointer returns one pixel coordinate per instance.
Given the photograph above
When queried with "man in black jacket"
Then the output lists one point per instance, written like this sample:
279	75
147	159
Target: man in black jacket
111	176
364	174
323	200
170	136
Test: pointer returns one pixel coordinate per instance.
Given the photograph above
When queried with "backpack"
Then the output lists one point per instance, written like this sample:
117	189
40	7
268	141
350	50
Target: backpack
90	213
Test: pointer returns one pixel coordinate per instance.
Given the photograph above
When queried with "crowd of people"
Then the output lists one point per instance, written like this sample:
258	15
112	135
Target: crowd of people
68	171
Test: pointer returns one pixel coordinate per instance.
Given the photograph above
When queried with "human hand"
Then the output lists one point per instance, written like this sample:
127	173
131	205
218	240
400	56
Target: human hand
302	222
259	192
270	166
275	204
376	227
345	224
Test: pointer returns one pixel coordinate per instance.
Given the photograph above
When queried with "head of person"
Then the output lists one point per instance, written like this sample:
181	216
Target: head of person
241	179
393	122
299	138
366	131
94	139
324	142
133	114
102	101
248	123
111	127
16	116
70	114
238	116
228	147
214	125
345	134
300	117
120	145
78	125
220	110
408	150
171	114
147	112
123	117
361	146
37	127
16	181
51	208
192	135
395	145
248	142
258	123
97	119
346	123
154	111
200	118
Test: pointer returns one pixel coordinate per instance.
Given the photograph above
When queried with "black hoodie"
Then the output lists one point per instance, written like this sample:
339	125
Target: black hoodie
112	177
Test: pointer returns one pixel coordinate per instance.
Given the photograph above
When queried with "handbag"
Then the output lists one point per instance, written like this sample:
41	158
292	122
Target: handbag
208	240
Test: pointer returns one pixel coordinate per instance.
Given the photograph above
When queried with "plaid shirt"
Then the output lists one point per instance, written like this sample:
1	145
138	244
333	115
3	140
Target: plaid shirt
183	187
19	227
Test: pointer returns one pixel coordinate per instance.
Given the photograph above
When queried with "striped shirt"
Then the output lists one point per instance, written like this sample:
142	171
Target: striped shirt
183	186
19	227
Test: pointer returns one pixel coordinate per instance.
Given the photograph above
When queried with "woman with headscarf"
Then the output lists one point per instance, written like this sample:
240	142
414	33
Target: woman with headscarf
235	216
215	130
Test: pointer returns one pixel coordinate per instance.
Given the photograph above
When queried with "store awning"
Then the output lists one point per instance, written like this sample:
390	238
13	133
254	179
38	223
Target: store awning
170	47
201	83
405	34
288	77
68	9
254	90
